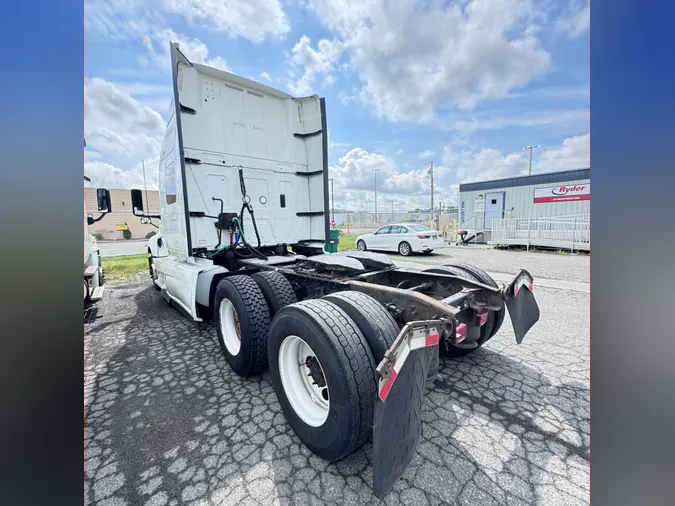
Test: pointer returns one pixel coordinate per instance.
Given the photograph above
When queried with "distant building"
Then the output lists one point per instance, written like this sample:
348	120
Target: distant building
548	195
121	214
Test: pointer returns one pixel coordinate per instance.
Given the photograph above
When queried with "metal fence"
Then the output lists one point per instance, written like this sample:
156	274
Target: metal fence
363	222
562	232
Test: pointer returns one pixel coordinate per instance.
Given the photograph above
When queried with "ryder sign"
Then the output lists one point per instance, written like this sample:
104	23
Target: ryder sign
562	193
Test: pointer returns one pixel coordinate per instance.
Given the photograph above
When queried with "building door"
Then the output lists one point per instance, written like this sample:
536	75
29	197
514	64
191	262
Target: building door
494	207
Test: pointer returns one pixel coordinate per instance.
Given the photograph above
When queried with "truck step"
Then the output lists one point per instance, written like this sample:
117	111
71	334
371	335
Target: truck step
97	294
90	271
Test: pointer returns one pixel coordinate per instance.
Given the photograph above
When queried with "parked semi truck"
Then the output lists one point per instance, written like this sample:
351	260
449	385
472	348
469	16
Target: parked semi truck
349	339
93	269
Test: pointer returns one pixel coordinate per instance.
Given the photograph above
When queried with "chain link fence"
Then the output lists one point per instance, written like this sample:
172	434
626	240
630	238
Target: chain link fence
358	223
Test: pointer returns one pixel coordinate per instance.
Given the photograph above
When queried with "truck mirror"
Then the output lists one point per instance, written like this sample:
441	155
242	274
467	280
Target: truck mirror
90	219
145	221
103	200
137	202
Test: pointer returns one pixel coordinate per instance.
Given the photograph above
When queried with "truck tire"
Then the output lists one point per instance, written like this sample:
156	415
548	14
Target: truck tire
463	349
242	324
323	373
486	279
276	289
373	320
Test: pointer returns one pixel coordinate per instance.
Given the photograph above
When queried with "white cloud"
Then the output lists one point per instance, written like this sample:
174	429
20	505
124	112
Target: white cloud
576	20
426	154
575	153
488	163
105	175
195	50
355	183
117	123
355	169
254	20
316	64
415	57
123	132
537	119
266	76
142	89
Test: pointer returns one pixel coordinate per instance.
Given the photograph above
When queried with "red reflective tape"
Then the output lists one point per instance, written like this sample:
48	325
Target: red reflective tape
460	333
482	317
431	340
384	391
531	287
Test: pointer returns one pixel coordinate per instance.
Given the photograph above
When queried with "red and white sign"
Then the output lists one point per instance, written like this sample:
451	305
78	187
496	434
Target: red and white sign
562	193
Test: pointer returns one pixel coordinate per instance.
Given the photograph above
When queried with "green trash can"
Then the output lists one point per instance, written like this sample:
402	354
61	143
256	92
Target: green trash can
333	240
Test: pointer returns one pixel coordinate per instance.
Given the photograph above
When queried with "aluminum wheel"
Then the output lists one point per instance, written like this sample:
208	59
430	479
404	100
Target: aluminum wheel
229	326
304	381
404	249
361	246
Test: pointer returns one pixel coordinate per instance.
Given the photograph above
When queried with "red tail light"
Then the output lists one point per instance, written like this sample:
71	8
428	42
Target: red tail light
422	236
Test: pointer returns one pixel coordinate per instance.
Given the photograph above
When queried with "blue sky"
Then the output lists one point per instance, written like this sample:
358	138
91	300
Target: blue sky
465	83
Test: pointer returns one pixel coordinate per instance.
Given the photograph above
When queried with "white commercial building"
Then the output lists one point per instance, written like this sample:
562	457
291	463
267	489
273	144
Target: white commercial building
538	209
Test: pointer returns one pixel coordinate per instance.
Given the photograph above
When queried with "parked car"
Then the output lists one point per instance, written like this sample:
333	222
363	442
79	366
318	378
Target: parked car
406	238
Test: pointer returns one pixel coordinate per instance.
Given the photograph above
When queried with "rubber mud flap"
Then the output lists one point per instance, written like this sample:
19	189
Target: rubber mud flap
524	312
398	421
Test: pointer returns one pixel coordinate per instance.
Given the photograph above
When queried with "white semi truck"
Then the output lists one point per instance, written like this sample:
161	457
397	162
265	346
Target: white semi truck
348	338
93	270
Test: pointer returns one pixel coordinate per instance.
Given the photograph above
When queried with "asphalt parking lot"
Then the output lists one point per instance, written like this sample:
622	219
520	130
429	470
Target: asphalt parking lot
167	422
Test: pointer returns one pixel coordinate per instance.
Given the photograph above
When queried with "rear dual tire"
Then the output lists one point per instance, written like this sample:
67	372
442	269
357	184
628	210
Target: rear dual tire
332	413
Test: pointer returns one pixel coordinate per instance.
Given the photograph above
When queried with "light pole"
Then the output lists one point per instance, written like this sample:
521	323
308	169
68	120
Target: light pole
376	171
531	148
332	200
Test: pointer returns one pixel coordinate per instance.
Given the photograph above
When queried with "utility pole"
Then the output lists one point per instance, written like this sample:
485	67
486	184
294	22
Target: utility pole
376	171
147	202
531	148
431	209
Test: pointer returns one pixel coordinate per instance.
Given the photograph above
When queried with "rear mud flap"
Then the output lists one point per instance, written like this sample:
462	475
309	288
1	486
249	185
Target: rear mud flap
522	306
397	423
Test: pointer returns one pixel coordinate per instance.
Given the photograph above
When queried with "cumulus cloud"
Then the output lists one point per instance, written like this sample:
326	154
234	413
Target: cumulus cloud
574	153
105	175
254	20
316	64
415	57
120	132
426	154
195	50
576	20
117	123
488	163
